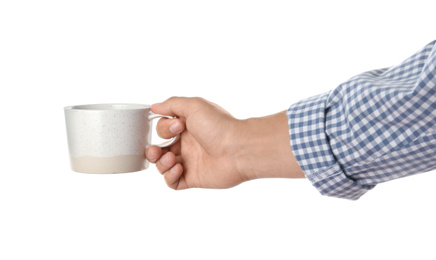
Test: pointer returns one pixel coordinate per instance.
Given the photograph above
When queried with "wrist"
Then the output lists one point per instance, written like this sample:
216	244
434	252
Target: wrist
264	149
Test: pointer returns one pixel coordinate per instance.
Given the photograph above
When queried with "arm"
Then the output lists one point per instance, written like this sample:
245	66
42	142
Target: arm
265	151
375	127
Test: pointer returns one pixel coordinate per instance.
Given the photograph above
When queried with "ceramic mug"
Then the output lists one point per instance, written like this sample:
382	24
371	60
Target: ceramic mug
110	138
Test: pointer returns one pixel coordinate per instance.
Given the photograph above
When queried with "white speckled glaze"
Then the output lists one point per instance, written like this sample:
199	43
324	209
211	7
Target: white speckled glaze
103	133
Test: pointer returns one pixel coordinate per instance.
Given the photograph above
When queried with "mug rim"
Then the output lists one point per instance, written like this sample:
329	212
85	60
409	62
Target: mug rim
107	107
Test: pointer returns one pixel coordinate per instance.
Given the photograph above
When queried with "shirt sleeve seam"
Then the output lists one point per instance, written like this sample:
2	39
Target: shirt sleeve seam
324	171
397	148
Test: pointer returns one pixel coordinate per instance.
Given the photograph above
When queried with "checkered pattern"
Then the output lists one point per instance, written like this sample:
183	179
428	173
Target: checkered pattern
377	126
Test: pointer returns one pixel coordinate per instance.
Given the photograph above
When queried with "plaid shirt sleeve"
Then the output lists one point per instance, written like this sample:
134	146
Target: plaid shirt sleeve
378	126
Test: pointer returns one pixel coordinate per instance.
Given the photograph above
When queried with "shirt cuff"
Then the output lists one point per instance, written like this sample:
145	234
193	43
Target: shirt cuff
310	145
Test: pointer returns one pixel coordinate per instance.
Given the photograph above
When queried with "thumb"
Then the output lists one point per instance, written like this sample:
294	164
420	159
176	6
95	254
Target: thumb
176	106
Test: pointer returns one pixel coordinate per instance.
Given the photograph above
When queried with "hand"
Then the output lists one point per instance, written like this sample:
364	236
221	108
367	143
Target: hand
217	150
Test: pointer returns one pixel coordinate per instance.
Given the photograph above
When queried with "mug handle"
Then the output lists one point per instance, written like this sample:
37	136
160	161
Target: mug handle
170	141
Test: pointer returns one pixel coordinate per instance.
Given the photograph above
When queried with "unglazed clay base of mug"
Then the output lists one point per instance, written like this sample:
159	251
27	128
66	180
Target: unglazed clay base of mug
116	164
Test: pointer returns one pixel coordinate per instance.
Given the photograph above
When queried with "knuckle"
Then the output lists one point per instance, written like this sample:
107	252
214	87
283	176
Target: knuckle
172	98
197	102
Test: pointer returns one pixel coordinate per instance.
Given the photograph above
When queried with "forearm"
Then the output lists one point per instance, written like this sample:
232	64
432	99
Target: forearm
265	150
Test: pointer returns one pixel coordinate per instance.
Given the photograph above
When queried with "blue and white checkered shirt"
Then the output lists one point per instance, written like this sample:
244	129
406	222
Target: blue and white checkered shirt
378	126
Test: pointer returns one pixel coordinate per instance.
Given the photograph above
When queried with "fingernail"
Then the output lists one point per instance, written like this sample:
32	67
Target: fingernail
164	159
176	128
150	156
173	170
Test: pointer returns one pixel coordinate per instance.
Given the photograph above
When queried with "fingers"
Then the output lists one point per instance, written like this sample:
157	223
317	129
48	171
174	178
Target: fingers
153	153
168	165
168	128
166	162
173	176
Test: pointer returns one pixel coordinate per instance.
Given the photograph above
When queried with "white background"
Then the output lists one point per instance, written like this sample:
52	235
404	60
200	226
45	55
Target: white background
253	58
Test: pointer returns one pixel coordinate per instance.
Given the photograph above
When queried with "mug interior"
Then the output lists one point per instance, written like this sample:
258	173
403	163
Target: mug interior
109	107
